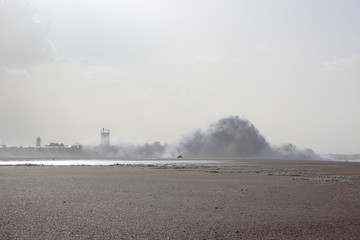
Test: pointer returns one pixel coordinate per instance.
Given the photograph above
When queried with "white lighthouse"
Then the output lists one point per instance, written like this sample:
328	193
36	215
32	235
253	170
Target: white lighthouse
105	137
38	142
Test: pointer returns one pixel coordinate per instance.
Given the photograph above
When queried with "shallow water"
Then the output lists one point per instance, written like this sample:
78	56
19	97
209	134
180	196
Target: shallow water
132	162
106	162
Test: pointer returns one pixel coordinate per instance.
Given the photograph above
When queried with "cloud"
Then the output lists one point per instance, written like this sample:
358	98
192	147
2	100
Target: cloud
17	73
341	63
24	41
214	58
264	49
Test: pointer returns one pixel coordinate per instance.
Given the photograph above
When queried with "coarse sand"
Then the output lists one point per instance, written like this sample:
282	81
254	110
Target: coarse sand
243	199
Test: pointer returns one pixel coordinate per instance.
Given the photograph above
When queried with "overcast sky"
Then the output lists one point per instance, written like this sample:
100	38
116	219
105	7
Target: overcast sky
157	70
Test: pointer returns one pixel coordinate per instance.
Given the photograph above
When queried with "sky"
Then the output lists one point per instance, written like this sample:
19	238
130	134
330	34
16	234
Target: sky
158	70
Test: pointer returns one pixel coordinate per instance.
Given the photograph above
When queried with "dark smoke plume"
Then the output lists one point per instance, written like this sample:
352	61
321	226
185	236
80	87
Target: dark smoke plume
228	138
234	137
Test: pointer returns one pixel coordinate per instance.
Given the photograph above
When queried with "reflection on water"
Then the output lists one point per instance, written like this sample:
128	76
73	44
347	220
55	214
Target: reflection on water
105	162
134	162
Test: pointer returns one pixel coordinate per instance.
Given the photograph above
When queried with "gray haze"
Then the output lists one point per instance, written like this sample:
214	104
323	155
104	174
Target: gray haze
154	70
231	137
147	150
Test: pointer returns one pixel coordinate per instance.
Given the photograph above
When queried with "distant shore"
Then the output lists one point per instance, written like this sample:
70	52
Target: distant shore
243	199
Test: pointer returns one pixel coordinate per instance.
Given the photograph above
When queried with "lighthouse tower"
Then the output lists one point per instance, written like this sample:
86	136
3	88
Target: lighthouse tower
105	137
38	142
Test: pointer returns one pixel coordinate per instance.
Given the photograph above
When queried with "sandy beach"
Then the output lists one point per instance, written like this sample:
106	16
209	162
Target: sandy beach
244	199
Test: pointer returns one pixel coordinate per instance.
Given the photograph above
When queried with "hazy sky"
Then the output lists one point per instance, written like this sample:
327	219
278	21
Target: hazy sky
156	70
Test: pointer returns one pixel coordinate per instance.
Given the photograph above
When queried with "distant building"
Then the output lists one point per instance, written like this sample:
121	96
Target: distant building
49	151
58	150
38	142
105	137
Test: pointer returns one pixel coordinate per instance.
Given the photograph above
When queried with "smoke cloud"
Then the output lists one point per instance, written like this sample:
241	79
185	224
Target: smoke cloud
234	137
230	137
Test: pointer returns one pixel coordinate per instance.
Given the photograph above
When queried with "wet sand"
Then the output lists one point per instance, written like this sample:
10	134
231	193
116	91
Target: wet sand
244	199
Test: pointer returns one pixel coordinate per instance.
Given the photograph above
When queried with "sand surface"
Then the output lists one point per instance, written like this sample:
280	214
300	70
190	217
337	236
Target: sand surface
244	199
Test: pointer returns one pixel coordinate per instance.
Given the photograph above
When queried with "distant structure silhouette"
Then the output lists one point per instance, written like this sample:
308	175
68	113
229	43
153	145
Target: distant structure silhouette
38	142
105	137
